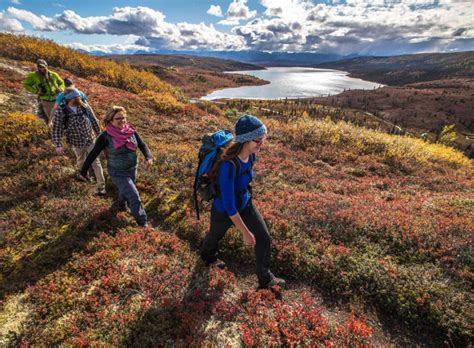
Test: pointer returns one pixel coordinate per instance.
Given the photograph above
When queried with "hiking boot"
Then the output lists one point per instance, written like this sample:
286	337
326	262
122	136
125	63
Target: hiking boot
274	282
101	192
218	263
90	175
79	177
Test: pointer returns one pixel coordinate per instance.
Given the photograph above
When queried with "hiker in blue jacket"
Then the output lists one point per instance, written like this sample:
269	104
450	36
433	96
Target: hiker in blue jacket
233	204
121	141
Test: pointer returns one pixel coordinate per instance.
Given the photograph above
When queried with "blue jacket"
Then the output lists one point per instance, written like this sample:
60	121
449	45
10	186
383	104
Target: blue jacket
233	194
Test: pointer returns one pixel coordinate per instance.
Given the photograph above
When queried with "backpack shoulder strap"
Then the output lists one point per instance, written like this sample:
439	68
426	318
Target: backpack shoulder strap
253	158
85	111
66	112
237	165
235	161
65	109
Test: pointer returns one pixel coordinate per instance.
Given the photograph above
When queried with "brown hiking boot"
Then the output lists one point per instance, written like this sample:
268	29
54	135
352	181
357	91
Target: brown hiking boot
274	282
218	263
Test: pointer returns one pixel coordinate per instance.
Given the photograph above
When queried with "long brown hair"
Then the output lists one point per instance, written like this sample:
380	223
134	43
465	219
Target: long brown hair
228	153
77	102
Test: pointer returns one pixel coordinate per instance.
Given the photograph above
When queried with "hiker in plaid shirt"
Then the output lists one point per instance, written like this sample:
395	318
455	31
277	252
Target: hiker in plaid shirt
76	121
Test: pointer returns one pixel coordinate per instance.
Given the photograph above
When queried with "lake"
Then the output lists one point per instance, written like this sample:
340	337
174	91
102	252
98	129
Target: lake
293	83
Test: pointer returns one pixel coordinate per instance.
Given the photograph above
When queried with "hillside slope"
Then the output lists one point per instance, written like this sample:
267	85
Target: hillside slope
184	61
370	230
195	76
405	69
425	93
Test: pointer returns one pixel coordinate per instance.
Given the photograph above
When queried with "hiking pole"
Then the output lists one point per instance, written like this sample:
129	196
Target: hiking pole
196	203
195	188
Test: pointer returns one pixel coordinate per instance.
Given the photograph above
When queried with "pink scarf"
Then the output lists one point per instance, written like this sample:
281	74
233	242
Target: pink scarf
121	137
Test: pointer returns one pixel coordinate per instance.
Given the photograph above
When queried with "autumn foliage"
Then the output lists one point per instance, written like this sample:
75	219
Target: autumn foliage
362	217
104	71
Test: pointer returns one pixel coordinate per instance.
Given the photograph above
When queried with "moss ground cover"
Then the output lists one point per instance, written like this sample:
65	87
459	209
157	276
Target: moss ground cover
363	217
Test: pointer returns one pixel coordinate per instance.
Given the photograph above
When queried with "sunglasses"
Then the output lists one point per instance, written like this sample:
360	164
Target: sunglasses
119	118
259	141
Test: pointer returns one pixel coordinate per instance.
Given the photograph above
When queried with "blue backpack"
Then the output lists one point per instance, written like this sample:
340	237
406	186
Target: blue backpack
208	153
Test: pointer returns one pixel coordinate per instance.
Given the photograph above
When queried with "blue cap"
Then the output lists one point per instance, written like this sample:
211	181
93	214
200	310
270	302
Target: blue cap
72	94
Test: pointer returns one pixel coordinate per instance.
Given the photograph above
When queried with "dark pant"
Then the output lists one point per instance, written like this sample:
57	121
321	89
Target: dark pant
220	223
125	182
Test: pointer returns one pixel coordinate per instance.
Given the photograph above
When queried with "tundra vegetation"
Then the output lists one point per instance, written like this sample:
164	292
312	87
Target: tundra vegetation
379	226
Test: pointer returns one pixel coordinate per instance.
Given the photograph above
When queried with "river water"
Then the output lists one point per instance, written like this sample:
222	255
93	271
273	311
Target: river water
293	83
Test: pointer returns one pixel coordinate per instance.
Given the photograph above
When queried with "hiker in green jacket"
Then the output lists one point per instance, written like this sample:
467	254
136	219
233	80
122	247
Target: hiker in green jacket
46	84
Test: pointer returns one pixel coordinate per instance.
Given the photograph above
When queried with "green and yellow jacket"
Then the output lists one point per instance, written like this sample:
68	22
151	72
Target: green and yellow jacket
46	87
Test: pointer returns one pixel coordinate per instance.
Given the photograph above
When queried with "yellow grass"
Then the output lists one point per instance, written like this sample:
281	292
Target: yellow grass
97	69
19	128
305	133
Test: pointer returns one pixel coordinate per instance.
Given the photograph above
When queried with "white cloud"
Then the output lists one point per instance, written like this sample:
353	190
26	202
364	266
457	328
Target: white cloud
371	27
238	11
195	36
354	26
108	49
16	2
9	24
272	34
41	23
287	9
229	22
147	24
215	10
69	20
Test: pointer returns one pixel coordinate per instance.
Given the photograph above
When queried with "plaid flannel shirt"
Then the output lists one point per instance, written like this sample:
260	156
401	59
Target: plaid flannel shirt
78	128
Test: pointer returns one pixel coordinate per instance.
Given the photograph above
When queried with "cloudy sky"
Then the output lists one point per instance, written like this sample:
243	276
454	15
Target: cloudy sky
375	27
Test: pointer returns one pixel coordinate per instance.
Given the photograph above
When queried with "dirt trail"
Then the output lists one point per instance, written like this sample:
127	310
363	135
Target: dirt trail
17	66
21	100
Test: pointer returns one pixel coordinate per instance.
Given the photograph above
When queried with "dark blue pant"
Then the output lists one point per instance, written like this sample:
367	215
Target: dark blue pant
220	223
125	182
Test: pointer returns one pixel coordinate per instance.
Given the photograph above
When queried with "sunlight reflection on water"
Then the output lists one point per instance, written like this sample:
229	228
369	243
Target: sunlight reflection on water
294	83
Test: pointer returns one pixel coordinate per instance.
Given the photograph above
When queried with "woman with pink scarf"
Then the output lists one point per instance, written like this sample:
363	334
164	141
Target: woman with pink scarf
121	141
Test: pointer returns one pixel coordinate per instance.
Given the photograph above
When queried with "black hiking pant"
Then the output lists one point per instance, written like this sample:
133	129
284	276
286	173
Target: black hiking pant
220	223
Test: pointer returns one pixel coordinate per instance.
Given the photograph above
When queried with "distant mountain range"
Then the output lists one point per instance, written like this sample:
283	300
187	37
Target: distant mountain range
256	57
184	61
406	69
394	70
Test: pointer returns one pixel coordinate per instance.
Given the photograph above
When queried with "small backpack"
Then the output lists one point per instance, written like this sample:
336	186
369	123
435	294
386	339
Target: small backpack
67	113
210	147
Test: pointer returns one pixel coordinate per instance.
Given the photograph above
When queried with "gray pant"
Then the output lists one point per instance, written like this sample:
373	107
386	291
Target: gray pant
125	182
45	108
81	155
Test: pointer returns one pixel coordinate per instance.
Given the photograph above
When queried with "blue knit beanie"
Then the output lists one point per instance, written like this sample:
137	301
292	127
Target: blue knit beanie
72	94
248	128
